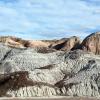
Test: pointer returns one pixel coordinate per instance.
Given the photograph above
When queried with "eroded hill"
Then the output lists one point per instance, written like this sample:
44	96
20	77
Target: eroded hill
28	72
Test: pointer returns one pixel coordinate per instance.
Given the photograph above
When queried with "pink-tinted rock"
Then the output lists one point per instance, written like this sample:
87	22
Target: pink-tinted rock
92	43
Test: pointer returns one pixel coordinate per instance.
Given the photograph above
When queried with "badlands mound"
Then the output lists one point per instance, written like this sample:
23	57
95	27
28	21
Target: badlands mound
92	43
30	71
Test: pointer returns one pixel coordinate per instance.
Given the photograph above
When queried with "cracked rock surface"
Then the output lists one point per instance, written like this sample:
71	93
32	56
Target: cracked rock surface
24	72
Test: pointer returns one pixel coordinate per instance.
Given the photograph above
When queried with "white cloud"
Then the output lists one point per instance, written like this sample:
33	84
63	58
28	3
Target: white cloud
48	18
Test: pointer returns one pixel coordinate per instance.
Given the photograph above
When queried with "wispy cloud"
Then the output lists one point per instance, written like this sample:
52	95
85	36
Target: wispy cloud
45	19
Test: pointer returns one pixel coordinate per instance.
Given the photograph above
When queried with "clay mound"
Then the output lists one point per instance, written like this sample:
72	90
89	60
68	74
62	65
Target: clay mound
20	43
92	43
30	72
27	73
10	41
37	44
42	46
66	44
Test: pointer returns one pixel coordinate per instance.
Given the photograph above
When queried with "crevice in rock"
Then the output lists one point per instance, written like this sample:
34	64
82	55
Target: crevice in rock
47	67
6	55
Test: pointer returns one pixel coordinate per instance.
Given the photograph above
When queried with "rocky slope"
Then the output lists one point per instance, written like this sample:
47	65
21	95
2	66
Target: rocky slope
20	43
47	45
92	43
66	44
29	72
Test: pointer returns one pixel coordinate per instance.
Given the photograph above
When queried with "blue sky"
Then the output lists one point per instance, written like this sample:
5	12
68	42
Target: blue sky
49	19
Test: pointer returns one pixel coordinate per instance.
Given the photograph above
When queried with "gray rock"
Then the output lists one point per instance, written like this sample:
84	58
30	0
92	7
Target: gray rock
74	73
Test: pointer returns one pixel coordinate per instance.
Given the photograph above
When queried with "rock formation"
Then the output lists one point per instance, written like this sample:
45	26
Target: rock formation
92	43
41	73
20	43
43	70
66	44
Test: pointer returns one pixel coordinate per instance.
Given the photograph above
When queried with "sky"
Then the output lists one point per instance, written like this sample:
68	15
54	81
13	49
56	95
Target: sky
49	19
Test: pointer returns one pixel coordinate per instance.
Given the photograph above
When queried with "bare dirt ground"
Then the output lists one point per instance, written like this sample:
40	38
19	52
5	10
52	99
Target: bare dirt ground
55	98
